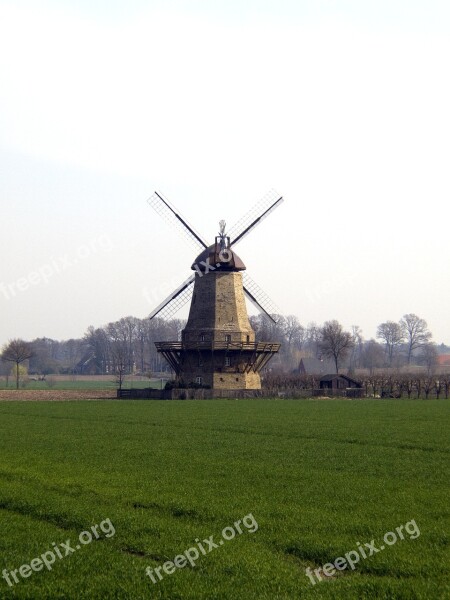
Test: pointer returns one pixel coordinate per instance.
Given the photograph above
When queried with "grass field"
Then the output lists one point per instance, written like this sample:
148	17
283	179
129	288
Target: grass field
313	478
67	382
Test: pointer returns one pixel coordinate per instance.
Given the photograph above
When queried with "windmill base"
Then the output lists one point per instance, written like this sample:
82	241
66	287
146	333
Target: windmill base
218	365
223	380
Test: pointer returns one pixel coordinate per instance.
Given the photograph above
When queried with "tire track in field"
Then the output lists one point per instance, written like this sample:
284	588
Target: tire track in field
37	514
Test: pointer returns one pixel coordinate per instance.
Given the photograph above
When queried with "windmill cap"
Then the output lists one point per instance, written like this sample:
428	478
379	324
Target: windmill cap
211	259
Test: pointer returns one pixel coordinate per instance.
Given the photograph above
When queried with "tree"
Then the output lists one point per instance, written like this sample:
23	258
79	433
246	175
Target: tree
416	333
312	339
43	360
372	355
428	357
97	340
335	343
120	356
357	348
294	332
17	351
73	352
21	372
392	334
293	339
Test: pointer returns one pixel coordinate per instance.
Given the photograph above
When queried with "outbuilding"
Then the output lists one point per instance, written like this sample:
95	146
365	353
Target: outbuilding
341	385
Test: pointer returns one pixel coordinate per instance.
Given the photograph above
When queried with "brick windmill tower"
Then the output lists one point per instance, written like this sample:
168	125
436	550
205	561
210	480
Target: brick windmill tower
217	348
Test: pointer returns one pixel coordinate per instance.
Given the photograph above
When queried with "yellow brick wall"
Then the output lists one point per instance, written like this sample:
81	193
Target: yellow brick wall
218	309
237	381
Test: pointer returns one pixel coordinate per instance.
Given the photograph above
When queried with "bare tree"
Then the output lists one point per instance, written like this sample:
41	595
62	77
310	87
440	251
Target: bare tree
74	349
335	342
392	335
312	339
428	357
17	351
415	331
140	343
372	355
120	357
98	342
357	348
44	360
294	336
124	331
294	332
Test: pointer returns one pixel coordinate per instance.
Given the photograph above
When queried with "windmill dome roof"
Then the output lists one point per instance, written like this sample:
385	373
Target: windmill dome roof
225	260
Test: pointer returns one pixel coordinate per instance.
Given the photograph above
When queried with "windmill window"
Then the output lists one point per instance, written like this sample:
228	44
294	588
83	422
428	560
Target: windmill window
227	361
248	339
200	361
202	337
228	338
198	380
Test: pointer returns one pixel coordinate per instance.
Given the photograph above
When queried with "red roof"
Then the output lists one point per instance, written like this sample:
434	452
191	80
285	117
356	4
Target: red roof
443	360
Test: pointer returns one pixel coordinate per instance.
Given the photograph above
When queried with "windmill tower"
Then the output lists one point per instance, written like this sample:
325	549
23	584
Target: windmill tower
218	348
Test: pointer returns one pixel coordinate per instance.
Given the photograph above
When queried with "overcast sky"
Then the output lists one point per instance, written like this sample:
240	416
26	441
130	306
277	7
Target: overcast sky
341	106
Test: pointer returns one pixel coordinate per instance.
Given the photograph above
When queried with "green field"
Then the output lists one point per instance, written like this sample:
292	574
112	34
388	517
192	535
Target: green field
92	383
314	476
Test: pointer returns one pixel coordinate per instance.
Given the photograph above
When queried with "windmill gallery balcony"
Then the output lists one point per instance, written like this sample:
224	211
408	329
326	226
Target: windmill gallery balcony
228	357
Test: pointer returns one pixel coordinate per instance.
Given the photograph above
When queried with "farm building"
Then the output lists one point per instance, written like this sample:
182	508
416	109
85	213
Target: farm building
443	360
341	385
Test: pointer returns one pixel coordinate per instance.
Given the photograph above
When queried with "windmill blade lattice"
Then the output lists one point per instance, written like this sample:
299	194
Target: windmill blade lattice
259	212
168	212
177	299
259	298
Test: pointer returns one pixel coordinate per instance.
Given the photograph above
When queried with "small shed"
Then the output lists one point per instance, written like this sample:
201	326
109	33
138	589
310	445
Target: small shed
341	385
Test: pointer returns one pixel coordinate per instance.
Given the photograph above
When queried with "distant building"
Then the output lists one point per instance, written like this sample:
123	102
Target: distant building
315	366
443	360
341	383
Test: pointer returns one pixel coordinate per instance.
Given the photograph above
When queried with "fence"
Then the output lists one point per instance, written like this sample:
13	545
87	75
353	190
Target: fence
185	394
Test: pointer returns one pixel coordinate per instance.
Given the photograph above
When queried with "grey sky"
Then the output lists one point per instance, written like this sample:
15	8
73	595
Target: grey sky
340	106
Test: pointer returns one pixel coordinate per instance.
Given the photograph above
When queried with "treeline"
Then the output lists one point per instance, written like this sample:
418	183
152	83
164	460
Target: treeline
127	346
407	342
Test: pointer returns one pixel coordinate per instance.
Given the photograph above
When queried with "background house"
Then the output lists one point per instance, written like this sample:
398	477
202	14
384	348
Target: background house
341	385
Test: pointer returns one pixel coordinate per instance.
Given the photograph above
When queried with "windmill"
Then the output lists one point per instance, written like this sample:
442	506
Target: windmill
217	348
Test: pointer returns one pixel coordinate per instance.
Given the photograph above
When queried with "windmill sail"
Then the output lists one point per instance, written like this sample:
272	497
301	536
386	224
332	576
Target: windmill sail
162	206
177	299
259	212
259	298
